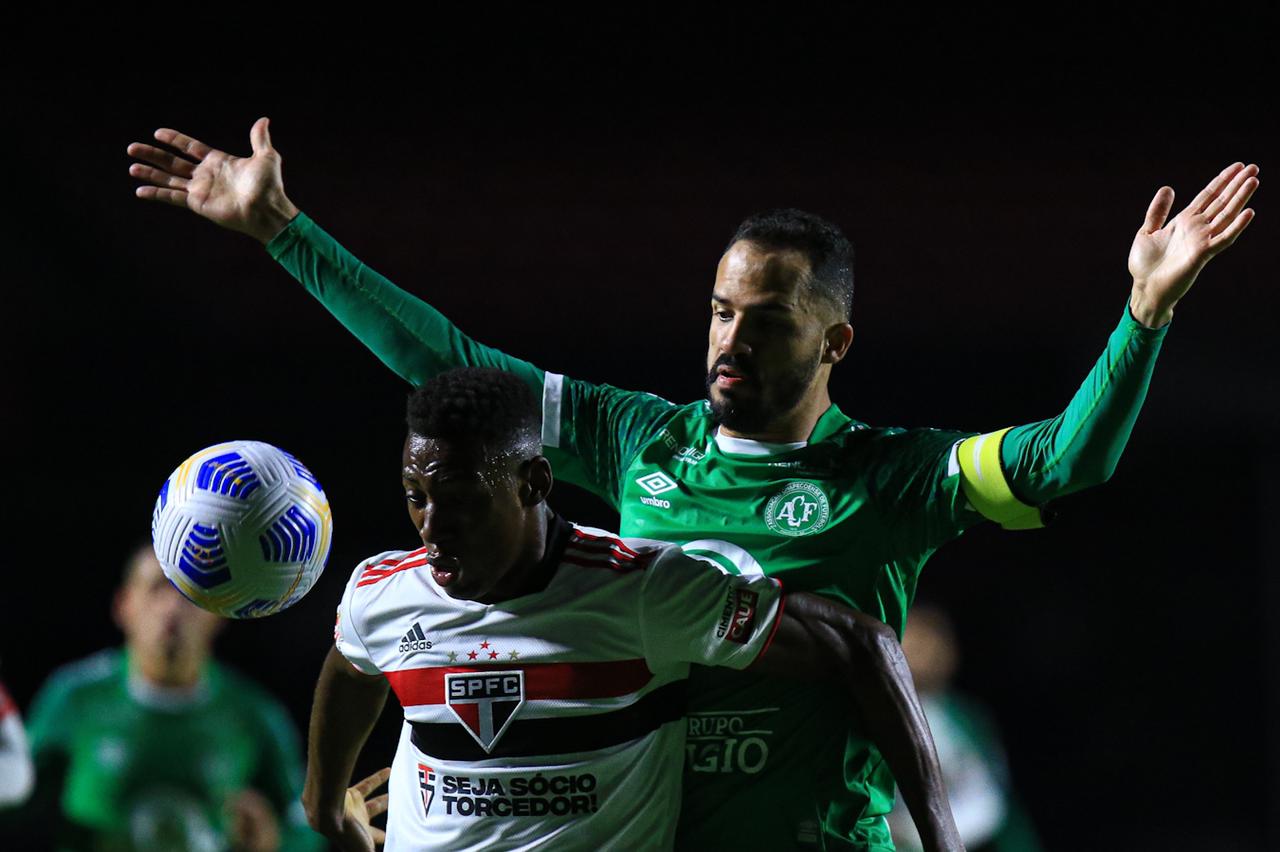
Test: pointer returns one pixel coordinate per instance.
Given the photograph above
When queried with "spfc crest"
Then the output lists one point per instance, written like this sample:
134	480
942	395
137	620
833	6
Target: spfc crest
485	702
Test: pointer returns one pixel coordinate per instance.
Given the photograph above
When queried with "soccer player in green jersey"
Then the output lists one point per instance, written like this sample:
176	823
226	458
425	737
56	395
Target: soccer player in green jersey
155	746
766	474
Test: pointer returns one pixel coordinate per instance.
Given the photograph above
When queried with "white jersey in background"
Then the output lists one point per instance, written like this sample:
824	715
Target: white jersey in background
555	719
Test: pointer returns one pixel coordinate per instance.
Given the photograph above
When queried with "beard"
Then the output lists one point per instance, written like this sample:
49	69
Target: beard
757	412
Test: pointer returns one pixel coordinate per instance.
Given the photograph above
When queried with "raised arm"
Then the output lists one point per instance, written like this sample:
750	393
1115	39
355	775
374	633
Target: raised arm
1081	446
347	704
815	637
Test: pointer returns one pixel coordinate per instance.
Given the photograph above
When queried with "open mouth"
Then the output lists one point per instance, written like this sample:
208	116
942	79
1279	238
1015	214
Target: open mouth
444	569
727	377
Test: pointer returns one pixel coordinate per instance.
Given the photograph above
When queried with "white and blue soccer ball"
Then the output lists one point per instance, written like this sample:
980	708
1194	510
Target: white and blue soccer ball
242	529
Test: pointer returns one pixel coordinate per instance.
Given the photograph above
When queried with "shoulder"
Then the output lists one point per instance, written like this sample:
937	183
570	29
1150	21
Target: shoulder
251	698
103	667
377	568
78	684
595	548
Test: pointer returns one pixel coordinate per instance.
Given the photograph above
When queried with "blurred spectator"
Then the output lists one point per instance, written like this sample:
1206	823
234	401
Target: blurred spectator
973	761
16	775
155	746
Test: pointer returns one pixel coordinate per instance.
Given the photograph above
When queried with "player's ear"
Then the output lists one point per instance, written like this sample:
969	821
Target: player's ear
838	339
537	481
119	608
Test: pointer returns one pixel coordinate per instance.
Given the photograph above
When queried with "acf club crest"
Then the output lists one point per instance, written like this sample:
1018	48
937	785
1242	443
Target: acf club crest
485	702
800	508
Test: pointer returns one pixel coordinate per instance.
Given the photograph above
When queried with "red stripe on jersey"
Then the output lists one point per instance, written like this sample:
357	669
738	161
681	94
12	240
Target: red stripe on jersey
777	621
541	680
599	550
374	575
393	560
7	704
604	562
613	541
602	544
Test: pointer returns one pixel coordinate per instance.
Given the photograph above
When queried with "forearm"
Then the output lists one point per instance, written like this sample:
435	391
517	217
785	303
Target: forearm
408	335
885	693
813	634
1082	445
345	709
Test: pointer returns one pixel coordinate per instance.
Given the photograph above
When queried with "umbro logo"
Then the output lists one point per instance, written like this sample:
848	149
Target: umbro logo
657	483
414	640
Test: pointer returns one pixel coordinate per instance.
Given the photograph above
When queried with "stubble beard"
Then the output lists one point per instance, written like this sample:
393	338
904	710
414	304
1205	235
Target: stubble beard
756	414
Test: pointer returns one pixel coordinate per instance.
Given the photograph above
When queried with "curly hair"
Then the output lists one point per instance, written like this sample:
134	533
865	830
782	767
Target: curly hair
490	407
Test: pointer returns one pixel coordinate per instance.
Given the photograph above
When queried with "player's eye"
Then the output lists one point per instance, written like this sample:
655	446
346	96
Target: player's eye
723	316
415	498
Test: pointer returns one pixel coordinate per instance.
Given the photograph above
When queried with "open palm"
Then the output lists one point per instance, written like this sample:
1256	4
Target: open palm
1166	258
243	194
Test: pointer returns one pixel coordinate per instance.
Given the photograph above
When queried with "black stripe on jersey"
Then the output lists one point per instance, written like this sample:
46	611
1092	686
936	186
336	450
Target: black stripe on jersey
563	735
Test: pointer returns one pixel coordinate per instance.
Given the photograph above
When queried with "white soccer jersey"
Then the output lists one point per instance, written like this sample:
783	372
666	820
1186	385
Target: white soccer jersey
553	720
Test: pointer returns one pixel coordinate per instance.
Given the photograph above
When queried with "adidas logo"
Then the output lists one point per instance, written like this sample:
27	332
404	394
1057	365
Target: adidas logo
414	640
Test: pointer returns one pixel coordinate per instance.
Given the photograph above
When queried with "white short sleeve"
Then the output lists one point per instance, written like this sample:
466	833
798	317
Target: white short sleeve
692	611
346	630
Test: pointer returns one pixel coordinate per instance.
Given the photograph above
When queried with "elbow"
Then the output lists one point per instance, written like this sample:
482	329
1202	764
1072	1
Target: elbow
874	645
323	820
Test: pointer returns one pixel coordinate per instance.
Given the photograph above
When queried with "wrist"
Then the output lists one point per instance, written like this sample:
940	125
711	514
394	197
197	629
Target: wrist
271	216
1147	311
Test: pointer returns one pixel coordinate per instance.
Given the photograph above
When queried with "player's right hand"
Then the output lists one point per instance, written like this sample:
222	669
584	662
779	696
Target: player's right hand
357	834
245	194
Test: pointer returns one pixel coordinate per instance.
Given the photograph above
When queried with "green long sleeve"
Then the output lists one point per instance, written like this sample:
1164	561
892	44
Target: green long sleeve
1082	445
408	335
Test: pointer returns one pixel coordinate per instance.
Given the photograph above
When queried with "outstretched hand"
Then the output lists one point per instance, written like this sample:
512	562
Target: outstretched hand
245	194
1166	258
357	833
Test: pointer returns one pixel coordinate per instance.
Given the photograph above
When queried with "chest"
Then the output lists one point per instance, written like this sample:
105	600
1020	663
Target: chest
795	514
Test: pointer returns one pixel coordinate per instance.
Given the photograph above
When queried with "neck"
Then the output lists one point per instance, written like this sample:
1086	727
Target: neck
796	425
164	670
523	577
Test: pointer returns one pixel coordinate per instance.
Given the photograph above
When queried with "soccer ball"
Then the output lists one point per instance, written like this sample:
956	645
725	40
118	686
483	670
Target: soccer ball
242	529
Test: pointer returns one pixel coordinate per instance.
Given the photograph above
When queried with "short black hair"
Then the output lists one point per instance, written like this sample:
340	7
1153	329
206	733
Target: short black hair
476	405
829	253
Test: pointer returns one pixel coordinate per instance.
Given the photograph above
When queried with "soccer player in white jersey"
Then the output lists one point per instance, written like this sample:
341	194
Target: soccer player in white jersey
542	665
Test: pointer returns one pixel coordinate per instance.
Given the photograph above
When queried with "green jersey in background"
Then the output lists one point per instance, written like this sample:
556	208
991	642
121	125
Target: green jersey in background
121	766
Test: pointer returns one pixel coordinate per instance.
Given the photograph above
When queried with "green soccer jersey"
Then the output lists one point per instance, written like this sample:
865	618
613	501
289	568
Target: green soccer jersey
853	513
128	767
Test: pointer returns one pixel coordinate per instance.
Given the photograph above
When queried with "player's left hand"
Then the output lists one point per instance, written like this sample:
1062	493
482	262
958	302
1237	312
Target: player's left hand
357	833
1166	258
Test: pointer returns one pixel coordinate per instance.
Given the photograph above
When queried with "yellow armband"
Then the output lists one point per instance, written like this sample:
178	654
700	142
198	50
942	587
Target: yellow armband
984	483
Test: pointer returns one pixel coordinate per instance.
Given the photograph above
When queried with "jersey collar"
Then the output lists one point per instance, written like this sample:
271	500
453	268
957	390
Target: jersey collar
832	421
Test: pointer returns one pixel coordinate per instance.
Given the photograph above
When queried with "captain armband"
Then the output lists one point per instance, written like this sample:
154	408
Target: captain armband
985	485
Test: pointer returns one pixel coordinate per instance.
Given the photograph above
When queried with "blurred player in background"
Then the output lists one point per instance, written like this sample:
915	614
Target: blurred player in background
157	747
16	774
542	666
988	815
766	474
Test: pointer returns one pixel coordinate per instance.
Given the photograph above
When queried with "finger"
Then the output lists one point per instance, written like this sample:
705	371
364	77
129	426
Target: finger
376	806
157	177
1229	213
260	136
1210	192
1235	229
374	781
183	143
176	197
1158	210
166	160
1214	207
378	835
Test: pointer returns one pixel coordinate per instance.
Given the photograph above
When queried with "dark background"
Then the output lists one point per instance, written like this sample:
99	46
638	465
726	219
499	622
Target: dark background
566	198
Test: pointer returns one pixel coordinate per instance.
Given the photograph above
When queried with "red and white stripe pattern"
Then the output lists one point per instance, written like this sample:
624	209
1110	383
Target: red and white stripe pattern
604	551
384	569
